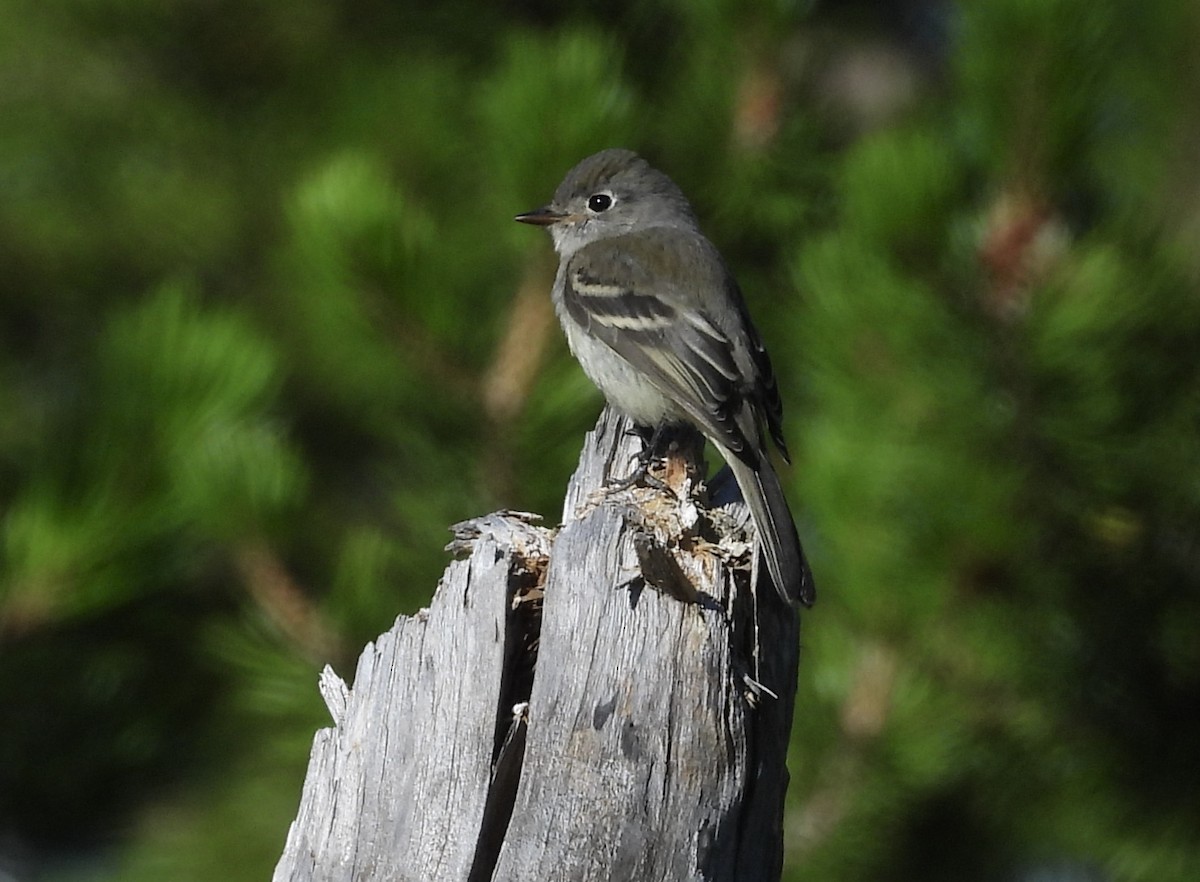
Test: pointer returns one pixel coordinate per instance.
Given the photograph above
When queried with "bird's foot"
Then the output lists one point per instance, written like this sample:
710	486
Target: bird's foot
640	477
647	458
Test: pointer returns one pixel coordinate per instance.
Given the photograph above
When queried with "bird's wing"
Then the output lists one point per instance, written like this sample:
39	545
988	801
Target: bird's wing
626	292
768	402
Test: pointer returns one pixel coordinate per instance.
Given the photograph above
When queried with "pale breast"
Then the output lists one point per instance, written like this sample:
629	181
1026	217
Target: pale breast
624	387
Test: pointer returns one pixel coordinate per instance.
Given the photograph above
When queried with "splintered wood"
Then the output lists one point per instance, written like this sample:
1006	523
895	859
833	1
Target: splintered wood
611	700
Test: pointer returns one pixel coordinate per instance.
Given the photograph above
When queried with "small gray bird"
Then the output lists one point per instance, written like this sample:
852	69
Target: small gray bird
657	322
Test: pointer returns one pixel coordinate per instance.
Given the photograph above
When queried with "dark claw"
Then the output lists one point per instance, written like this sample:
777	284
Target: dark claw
640	476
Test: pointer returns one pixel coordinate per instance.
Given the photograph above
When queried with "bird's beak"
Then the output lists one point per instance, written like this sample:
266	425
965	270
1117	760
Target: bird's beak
541	217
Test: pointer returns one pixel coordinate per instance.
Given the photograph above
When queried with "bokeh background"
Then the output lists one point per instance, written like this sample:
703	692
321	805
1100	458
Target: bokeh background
268	329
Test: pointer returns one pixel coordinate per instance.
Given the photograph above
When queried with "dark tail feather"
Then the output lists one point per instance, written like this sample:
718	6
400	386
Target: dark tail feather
776	530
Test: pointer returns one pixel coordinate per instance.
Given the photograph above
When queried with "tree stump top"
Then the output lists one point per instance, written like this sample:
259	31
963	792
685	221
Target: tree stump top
609	702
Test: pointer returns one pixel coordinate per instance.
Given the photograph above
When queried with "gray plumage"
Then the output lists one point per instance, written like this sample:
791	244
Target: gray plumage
658	323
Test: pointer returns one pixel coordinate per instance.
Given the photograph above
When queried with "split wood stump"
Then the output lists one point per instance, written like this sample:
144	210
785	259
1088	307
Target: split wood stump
611	701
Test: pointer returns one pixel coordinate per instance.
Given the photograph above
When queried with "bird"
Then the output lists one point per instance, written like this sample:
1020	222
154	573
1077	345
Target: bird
654	317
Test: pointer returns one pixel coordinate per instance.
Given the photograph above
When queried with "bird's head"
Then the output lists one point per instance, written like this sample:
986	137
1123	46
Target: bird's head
610	193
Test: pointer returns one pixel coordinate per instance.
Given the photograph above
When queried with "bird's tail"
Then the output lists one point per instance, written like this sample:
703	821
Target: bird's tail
776	530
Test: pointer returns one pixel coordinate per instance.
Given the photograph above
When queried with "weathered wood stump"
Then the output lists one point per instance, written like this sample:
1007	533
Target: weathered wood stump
612	702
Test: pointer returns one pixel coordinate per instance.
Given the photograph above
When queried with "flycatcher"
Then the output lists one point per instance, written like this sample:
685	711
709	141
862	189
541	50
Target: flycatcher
658	323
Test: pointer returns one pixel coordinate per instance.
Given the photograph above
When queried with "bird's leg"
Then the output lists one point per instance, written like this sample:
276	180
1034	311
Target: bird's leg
651	441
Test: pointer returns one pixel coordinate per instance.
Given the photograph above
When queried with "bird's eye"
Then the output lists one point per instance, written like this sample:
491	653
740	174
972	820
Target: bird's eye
600	202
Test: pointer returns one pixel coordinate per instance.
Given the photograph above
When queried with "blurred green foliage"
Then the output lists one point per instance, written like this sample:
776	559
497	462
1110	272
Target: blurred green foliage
268	329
